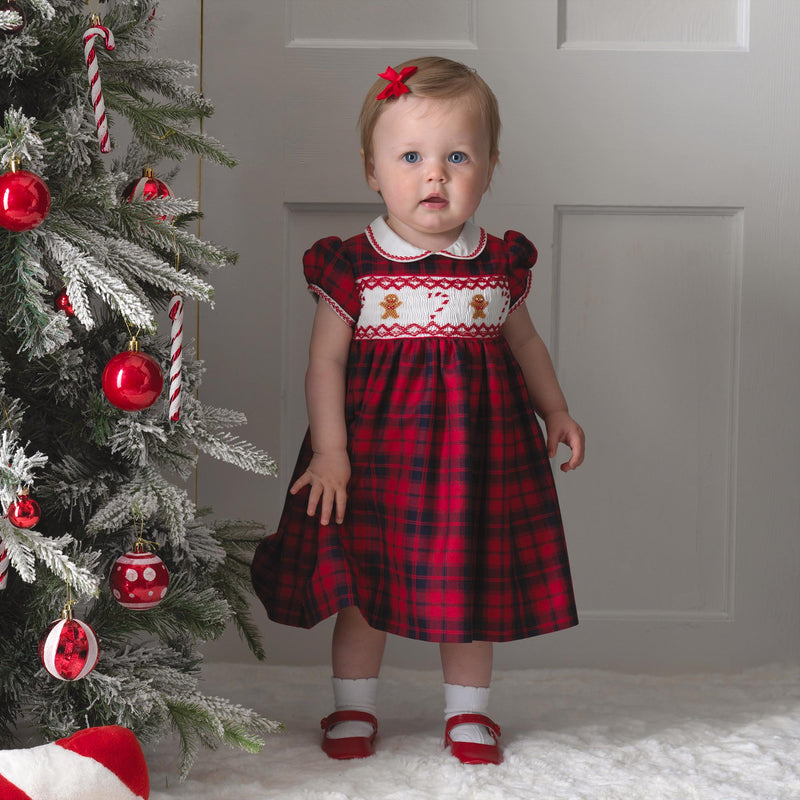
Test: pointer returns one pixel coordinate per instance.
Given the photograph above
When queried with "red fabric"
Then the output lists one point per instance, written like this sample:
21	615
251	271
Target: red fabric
117	749
452	531
10	792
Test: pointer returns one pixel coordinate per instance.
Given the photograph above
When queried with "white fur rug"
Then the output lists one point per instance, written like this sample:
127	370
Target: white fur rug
568	735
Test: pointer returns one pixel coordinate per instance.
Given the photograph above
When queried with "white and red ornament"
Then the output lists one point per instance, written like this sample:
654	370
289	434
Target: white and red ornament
24	512
68	649
61	302
175	356
139	580
148	187
94	78
12	8
24	199
3	565
132	380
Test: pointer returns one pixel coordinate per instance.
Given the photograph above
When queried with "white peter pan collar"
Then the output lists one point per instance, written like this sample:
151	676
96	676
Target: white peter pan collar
469	244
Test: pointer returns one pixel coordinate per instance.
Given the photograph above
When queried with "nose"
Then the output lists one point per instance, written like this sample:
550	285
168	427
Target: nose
437	173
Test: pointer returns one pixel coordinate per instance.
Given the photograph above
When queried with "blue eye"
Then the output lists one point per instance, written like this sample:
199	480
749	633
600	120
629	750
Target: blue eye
411	158
457	157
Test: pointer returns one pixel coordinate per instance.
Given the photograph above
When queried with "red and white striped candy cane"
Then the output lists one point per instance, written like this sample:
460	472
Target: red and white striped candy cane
94	79
176	356
3	565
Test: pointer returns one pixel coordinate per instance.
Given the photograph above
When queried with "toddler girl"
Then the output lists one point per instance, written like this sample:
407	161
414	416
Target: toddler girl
422	503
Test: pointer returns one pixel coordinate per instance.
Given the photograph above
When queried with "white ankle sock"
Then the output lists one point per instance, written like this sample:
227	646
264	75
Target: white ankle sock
354	695
467	700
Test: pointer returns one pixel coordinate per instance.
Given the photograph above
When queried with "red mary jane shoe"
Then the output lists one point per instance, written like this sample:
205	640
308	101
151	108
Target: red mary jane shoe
473	752
353	746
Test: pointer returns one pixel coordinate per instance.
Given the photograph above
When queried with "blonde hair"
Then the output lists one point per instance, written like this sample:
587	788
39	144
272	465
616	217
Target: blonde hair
435	77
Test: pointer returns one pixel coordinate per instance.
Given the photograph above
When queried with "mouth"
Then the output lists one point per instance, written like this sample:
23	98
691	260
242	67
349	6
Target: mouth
434	201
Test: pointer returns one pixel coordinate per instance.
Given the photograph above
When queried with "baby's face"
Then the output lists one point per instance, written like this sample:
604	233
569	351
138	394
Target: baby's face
431	164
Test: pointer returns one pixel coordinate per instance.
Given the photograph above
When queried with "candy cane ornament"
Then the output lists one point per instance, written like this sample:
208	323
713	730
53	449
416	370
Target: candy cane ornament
176	356
94	79
3	565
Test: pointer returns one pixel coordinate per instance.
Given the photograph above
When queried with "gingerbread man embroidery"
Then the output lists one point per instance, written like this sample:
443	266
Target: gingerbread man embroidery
479	303
390	305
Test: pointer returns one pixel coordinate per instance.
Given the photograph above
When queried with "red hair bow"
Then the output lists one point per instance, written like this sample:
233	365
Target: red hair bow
396	85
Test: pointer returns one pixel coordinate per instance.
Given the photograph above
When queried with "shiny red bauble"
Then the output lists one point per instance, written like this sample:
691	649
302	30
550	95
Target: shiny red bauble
20	26
62	303
24	200
69	650
132	380
139	580
148	187
24	512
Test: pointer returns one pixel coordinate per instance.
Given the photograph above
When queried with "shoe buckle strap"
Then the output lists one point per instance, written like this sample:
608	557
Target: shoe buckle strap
348	716
476	719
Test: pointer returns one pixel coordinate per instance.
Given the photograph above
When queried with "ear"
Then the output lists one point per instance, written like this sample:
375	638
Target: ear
492	164
369	173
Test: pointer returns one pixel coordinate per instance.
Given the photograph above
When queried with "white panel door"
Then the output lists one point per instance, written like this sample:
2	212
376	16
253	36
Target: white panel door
650	151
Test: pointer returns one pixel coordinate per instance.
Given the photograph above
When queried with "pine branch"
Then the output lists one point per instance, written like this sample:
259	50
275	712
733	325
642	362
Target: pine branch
39	329
16	467
24	547
20	140
204	423
232	579
187	611
80	269
161	76
146	494
162	126
210	721
133	437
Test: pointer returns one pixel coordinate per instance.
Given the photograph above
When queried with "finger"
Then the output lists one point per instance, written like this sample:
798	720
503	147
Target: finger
341	505
313	500
575	460
326	508
302	481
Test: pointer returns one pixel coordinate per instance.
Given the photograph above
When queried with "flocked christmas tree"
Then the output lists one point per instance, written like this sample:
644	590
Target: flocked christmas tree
94	455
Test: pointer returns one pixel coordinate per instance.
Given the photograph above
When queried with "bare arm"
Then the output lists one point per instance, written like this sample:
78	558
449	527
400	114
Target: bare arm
329	470
543	387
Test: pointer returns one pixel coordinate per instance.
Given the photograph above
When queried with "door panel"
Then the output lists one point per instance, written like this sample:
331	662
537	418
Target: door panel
649	150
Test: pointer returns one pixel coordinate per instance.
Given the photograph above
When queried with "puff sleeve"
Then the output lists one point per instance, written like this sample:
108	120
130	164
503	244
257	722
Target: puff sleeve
329	274
521	255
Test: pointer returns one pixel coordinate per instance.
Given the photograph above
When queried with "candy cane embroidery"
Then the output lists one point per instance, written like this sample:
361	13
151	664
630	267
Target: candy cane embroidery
94	78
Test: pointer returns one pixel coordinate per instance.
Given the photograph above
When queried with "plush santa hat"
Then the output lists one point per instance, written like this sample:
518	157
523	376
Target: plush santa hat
104	763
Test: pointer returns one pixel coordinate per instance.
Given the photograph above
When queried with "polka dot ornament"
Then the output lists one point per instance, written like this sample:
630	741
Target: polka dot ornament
139	580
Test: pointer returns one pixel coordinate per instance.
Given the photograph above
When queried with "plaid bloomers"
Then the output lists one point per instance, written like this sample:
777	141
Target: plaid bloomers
452	531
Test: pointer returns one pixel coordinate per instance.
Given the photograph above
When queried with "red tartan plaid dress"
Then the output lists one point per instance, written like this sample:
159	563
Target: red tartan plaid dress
452	531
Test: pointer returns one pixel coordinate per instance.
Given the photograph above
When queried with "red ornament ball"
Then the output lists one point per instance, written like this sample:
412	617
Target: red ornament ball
24	512
132	380
139	580
62	303
20	26
69	650
148	187
24	200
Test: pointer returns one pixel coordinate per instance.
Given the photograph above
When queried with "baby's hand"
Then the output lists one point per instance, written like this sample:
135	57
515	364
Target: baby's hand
562	428
328	475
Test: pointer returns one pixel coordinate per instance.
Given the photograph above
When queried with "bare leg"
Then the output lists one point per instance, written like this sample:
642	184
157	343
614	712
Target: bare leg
356	655
357	649
467	670
467	663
